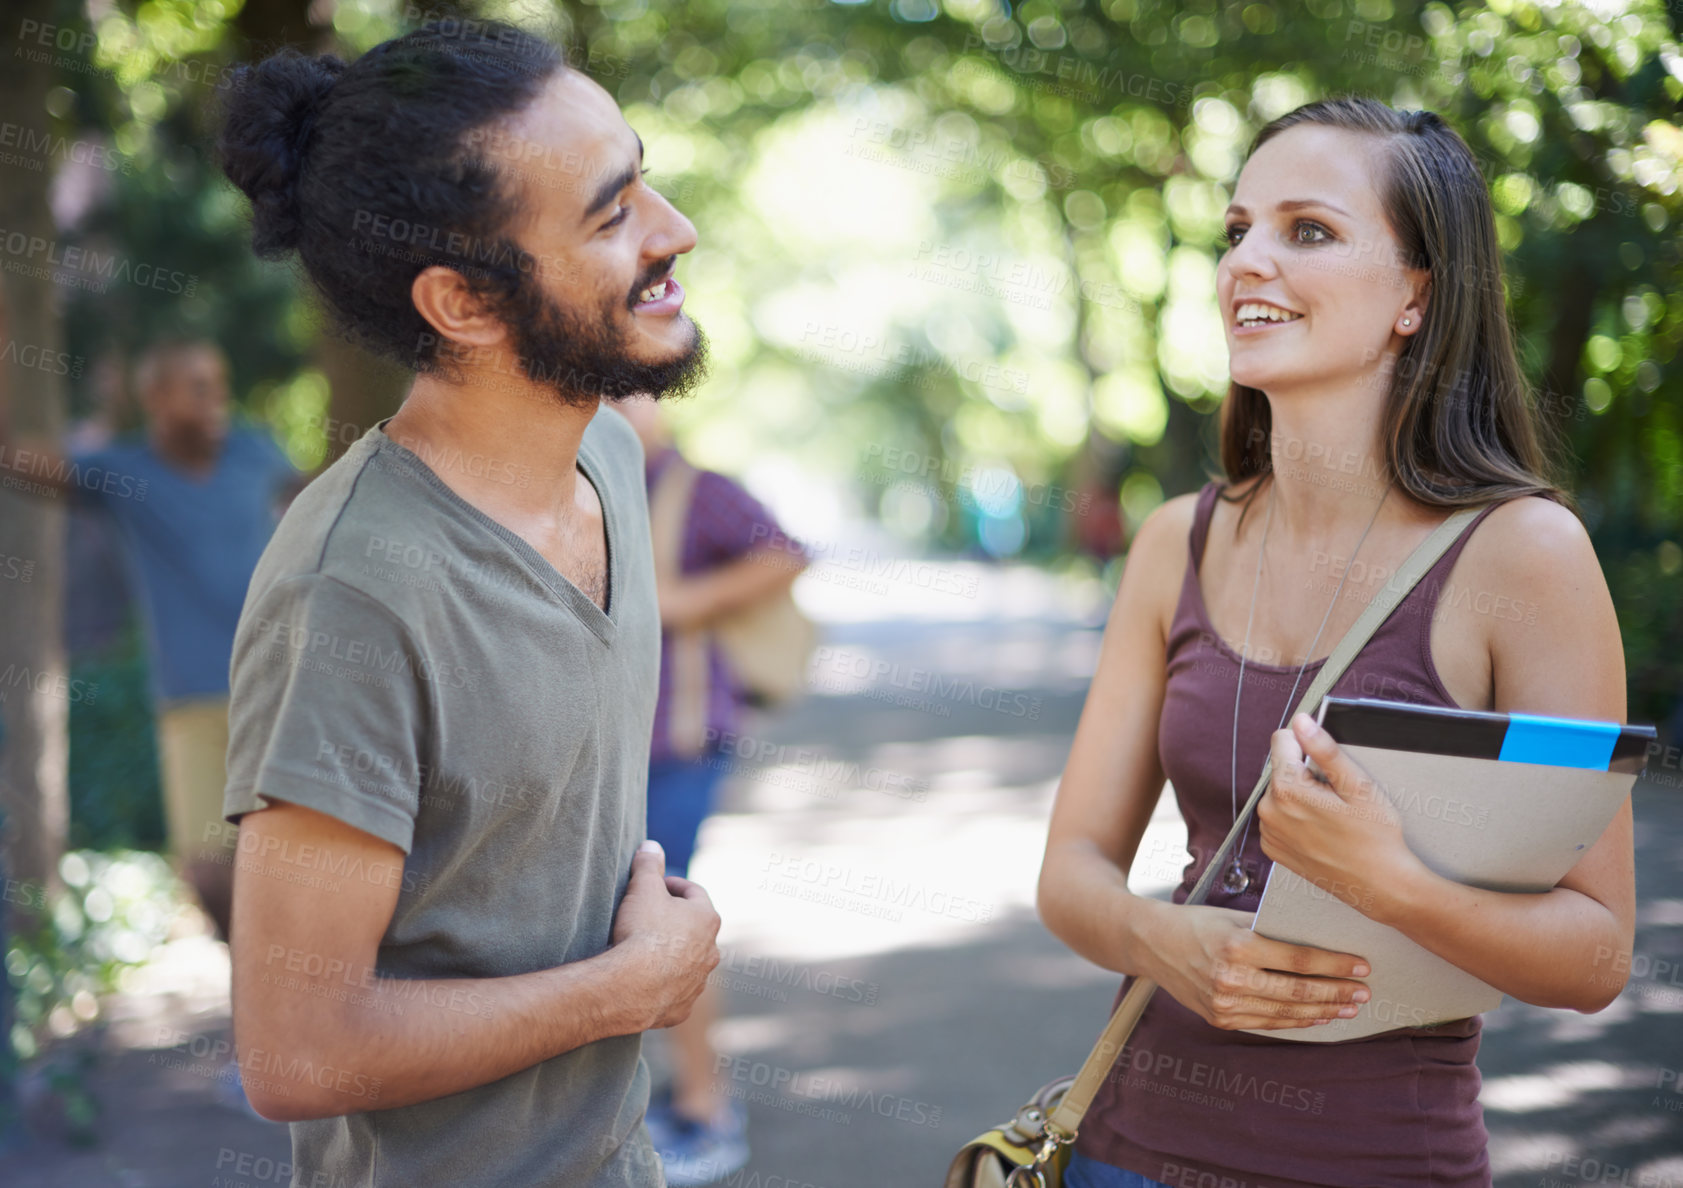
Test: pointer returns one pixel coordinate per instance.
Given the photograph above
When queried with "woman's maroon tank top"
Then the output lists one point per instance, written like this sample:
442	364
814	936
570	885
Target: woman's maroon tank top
1187	1101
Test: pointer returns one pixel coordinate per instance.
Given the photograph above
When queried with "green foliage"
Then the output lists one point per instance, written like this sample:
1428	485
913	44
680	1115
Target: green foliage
1647	586
115	798
984	235
114	909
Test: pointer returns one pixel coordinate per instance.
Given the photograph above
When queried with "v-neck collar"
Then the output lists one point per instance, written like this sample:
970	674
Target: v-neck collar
602	622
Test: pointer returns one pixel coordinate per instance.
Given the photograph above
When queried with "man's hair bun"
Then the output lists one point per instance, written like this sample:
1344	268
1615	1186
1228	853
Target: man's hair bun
269	113
376	171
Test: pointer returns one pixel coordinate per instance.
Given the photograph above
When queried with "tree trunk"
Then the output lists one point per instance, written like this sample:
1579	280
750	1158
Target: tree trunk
34	688
363	389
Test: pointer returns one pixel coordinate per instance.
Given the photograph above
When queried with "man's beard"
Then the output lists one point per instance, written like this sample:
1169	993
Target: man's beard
582	360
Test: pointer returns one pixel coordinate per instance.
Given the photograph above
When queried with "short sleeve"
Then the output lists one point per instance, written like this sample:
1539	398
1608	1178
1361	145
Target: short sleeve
726	523
326	708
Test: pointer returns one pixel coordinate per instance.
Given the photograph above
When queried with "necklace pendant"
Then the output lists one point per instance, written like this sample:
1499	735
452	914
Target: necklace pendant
1234	881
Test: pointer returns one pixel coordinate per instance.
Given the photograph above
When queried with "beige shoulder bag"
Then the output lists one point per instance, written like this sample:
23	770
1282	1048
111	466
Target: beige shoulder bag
767	644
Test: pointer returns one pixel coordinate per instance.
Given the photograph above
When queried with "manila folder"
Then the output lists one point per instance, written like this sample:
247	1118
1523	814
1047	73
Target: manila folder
1489	823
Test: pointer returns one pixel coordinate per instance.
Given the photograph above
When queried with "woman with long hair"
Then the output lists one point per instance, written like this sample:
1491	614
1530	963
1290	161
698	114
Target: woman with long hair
1375	390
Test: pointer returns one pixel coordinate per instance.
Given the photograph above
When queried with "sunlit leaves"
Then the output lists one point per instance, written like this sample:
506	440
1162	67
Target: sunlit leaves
1037	190
1128	404
1512	192
1658	164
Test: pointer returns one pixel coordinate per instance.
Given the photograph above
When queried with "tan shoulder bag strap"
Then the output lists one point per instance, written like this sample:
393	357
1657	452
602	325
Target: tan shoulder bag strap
1066	1118
669	507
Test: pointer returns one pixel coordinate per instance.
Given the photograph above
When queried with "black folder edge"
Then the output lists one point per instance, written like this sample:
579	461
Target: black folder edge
1468	734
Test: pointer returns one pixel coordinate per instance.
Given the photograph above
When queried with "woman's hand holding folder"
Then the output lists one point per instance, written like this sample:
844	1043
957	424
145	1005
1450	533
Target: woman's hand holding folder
1328	820
1211	962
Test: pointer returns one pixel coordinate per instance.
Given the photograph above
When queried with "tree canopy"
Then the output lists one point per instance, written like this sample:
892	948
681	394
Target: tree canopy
957	259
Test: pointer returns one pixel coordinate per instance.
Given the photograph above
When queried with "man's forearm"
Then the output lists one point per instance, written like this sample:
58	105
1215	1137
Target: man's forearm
350	1042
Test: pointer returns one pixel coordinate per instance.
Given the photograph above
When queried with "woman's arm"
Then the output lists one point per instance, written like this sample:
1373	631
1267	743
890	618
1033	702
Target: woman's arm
1112	780
1206	958
1569	947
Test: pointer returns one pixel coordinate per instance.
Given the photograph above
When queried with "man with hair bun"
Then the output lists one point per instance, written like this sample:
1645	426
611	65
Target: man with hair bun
450	931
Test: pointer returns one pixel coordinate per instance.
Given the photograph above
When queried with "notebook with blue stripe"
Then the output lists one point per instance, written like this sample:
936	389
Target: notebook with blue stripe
1511	738
1507	802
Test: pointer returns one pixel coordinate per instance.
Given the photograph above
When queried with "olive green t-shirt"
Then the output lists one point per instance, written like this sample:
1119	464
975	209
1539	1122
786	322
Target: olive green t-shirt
409	666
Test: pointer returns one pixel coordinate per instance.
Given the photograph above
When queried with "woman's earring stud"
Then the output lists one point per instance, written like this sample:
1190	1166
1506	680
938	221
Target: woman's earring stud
1408	322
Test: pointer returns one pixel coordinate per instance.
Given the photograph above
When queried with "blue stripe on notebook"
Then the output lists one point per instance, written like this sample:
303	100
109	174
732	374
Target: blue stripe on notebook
1559	742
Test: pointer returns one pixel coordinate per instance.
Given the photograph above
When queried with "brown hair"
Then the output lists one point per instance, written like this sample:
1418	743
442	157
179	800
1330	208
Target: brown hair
1458	426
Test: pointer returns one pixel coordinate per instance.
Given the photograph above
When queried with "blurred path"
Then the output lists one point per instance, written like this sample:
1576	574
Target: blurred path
938	1023
889	990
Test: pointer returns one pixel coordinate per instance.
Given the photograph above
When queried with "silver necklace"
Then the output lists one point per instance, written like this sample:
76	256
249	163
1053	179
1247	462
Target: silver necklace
1234	880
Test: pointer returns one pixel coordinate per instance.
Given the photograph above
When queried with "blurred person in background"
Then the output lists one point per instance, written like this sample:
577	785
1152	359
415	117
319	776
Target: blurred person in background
720	539
194	499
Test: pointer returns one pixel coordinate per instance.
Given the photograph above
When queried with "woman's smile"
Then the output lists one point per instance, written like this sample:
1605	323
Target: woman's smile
1251	317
